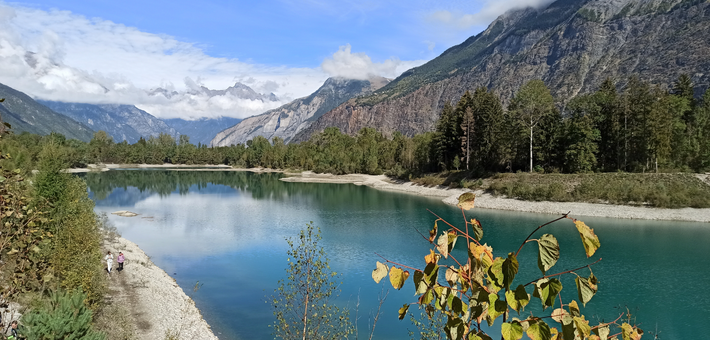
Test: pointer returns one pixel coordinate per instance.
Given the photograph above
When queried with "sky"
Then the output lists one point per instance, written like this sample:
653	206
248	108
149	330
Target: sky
107	51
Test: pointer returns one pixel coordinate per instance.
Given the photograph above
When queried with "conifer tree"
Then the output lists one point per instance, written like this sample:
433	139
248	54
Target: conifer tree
63	316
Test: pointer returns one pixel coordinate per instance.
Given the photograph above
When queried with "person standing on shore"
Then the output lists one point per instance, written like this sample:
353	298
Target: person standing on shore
13	331
109	261
121	258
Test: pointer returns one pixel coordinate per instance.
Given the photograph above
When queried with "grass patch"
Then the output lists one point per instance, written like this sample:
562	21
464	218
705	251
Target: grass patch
665	190
656	190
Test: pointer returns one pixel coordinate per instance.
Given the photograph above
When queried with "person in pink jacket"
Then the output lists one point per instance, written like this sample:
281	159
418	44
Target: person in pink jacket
121	258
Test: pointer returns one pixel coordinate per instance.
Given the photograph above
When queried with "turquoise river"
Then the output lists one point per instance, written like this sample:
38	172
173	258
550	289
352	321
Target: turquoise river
227	230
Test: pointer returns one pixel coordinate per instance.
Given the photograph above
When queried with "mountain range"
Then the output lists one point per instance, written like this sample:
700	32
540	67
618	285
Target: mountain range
25	114
572	45
288	120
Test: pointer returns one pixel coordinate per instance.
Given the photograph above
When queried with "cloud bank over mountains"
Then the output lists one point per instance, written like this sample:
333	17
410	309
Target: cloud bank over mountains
61	56
488	12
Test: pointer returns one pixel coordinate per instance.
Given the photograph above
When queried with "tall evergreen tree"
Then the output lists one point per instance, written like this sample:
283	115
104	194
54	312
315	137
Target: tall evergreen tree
448	137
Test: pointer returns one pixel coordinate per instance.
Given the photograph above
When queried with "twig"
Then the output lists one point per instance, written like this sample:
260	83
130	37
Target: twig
538	228
564	272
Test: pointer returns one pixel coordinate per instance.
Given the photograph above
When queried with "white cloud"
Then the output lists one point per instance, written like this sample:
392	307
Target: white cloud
346	64
59	55
490	10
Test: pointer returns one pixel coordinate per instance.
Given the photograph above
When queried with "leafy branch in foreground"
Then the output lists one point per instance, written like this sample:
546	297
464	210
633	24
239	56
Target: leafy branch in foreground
481	286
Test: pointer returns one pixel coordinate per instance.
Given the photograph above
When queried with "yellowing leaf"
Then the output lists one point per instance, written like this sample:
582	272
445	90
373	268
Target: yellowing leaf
432	258
452	275
589	239
602	332
397	277
380	272
582	326
403	311
433	232
558	314
466	201
574	308
477	229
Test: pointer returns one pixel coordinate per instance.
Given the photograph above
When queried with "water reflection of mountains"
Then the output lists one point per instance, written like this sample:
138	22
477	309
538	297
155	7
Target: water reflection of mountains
138	185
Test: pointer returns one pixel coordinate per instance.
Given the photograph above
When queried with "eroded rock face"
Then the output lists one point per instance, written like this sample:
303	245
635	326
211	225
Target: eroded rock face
573	45
286	121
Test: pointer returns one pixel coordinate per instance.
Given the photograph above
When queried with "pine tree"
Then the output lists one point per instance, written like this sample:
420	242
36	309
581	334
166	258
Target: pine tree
64	316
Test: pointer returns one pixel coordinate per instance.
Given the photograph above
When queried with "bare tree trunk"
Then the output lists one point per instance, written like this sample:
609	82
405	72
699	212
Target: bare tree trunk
531	146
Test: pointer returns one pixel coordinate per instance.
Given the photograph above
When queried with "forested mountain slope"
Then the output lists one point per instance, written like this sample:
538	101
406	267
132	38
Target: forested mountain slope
572	45
25	114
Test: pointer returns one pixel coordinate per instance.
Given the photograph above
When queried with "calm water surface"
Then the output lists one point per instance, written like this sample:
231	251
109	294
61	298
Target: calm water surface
227	230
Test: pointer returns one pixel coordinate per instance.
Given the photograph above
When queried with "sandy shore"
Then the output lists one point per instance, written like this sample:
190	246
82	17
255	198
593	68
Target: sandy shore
488	201
156	304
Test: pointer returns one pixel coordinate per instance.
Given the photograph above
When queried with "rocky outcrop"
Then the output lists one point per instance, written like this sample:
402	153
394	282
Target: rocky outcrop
286	121
573	45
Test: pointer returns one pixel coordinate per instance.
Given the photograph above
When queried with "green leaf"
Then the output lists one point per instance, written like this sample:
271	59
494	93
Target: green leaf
398	277
495	275
517	299
431	273
512	330
589	239
2	179
546	290
466	201
496	308
403	311
380	272
586	288
419	283
478	336
548	252
13	251
454	328
477	229
539	331
510	269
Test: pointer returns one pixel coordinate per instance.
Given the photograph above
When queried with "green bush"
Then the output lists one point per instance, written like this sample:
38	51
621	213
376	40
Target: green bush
63	316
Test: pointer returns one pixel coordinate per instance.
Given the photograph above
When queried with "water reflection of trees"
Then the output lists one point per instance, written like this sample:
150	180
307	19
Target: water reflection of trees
329	197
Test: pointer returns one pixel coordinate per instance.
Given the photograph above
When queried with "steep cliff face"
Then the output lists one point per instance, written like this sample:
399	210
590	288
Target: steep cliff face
573	45
286	121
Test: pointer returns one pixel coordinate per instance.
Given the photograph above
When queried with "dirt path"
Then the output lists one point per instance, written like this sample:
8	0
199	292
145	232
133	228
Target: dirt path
146	302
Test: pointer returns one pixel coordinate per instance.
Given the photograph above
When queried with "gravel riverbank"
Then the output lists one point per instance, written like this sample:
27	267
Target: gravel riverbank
488	201
158	307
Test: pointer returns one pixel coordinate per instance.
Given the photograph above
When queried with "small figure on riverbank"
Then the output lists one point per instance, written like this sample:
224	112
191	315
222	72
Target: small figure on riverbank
13	331
121	258
109	261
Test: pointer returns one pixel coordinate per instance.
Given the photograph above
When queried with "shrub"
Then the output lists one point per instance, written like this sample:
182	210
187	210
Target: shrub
63	316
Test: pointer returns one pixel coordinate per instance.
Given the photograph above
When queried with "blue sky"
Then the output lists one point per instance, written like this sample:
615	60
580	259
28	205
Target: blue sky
104	51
